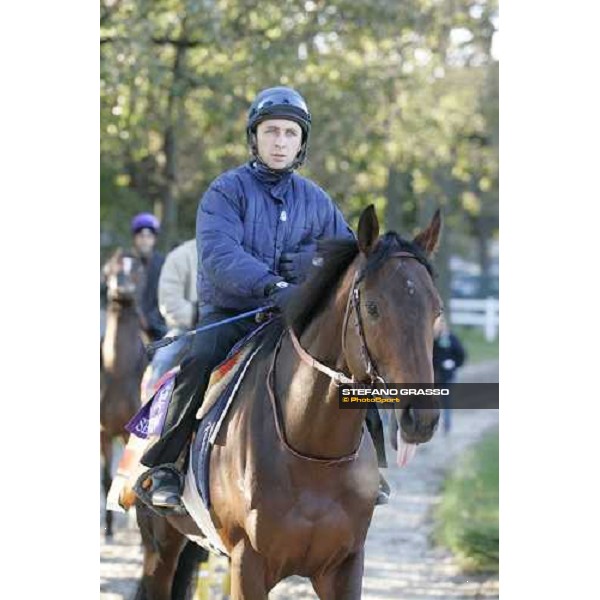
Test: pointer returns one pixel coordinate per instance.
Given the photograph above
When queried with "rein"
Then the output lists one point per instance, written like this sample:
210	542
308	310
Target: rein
150	348
279	425
338	377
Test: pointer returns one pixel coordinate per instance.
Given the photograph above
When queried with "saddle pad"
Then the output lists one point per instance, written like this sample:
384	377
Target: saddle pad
149	420
241	343
193	503
225	372
210	425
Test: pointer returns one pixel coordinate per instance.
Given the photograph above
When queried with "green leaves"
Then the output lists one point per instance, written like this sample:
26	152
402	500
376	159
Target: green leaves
388	88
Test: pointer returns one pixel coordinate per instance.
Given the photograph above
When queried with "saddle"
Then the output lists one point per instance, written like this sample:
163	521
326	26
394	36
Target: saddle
147	425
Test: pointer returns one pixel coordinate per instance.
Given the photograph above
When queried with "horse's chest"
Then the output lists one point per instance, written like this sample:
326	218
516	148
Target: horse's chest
313	527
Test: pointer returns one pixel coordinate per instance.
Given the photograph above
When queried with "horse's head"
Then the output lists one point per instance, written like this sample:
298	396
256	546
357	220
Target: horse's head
124	277
398	308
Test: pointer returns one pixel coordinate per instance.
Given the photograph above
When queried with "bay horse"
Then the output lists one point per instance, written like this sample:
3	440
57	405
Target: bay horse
293	480
123	358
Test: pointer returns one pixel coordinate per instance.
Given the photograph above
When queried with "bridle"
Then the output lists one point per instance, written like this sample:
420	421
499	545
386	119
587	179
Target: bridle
338	377
352	306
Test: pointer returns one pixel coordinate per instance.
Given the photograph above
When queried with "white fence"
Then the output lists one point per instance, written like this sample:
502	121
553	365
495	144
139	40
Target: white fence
482	312
463	311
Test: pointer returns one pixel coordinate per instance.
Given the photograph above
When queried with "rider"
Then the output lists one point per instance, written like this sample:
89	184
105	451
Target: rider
145	229
256	232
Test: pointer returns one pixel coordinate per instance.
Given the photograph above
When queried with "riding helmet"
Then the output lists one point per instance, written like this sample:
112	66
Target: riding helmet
282	103
145	221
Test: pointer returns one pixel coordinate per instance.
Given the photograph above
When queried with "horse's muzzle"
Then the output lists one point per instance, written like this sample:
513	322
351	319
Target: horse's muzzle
417	425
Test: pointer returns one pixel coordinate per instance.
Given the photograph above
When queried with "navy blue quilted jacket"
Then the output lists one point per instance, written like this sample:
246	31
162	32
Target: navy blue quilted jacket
246	219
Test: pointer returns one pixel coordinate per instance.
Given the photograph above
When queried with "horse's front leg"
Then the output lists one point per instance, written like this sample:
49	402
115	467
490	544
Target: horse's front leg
247	573
345	583
107	453
162	546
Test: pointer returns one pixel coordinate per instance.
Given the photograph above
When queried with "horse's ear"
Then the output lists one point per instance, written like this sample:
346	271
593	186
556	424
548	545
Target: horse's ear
368	229
429	238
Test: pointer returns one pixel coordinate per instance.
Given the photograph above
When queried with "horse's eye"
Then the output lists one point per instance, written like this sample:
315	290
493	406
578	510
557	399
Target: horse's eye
372	309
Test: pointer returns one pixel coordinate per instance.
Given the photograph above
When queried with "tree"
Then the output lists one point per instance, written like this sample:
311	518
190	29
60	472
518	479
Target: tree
404	107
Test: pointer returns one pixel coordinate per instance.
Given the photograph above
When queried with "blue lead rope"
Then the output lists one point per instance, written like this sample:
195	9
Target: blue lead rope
151	348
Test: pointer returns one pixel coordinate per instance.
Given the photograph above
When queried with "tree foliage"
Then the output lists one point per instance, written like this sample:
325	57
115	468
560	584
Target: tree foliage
404	97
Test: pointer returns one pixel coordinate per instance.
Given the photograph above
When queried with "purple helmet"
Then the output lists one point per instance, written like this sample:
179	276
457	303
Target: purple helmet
145	221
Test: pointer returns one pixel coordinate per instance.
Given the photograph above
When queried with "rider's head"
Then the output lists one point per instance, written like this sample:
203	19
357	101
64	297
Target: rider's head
278	128
144	228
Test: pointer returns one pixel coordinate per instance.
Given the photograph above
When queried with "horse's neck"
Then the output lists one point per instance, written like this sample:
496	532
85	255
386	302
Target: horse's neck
121	347
313	421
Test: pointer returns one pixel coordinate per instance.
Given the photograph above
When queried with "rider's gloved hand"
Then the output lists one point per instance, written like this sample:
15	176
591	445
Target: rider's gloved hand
294	266
280	293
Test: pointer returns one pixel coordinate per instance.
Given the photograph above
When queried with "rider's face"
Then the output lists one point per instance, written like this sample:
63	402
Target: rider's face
144	242
278	142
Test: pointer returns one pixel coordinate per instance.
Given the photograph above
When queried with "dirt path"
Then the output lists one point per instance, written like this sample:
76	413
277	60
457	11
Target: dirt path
400	561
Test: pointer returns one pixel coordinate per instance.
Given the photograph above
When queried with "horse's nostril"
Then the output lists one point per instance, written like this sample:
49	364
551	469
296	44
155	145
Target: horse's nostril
409	420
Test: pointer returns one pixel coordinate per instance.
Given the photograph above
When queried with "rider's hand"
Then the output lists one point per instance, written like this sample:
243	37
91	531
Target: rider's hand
280	293
294	266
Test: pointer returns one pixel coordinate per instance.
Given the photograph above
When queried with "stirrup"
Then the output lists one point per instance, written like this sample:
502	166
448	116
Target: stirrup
150	480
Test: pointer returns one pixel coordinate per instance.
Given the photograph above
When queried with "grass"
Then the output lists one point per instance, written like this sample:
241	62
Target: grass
478	349
467	518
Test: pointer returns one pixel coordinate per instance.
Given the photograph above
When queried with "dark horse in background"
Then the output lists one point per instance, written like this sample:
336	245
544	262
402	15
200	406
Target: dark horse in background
293	478
123	358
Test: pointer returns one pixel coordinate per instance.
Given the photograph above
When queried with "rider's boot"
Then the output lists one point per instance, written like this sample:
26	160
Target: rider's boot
375	427
167	488
383	495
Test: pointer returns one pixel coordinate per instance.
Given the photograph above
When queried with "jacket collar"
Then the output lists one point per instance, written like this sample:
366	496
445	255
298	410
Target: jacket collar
275	182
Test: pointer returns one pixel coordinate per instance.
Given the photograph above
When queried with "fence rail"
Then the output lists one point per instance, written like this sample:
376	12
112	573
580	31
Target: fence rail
482	312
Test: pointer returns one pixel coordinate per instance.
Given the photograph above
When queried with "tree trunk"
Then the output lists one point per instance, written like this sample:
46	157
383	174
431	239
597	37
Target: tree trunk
170	212
481	233
399	210
443	179
393	208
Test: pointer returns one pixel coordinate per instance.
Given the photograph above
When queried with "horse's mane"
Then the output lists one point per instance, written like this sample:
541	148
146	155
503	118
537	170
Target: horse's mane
337	256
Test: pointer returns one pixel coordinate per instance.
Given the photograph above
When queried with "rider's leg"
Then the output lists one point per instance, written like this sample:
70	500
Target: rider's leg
375	428
208	349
